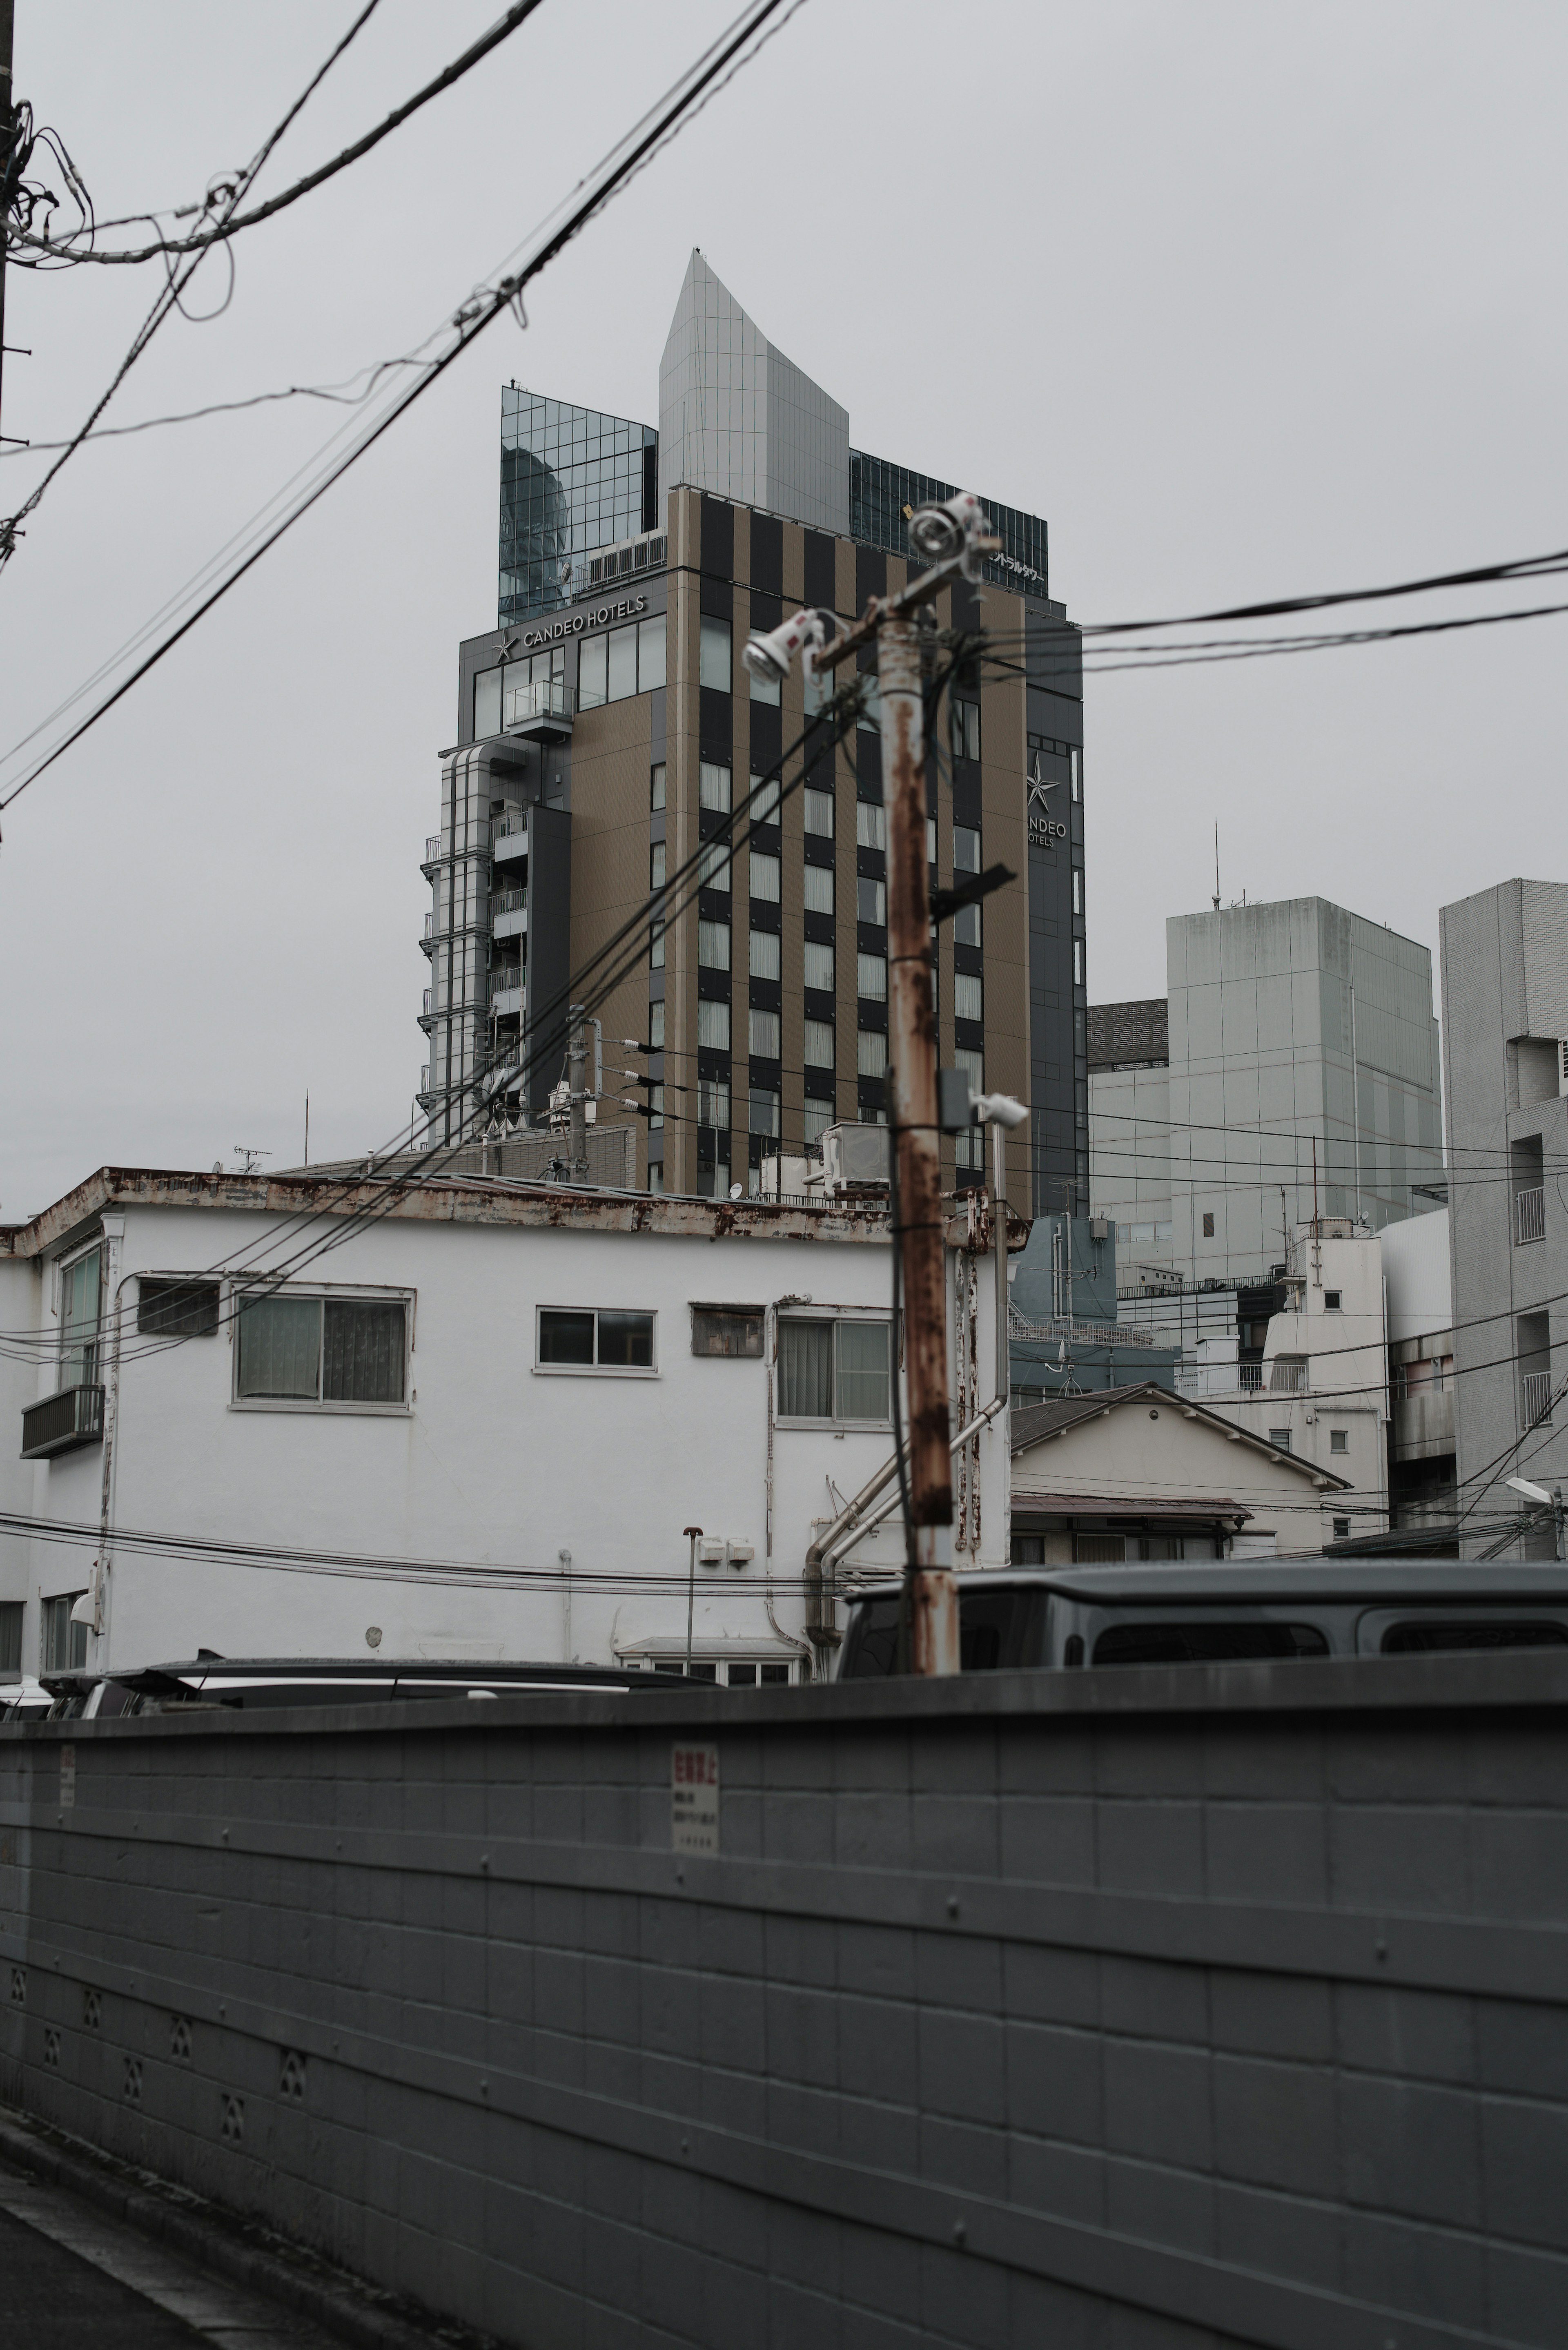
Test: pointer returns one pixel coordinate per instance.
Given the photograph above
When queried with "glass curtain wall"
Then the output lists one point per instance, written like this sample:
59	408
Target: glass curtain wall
881	496
571	481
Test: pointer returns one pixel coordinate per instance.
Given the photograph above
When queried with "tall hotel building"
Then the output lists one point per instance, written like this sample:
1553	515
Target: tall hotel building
608	727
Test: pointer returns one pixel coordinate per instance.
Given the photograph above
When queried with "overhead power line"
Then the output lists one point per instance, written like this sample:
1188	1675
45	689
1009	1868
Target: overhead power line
233	222
170	298
1525	566
662	122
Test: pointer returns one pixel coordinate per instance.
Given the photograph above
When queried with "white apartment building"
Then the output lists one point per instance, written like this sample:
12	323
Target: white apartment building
1290	1071
1320	1393
1505	1011
260	1419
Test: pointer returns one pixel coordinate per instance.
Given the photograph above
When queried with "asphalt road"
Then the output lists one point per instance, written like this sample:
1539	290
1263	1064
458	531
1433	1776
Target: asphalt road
51	2298
72	2275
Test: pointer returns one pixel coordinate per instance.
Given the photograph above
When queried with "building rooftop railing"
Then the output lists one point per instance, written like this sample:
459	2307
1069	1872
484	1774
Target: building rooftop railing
1086	1333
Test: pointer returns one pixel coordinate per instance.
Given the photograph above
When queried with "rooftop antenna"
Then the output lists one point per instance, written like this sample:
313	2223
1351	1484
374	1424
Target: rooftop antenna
1216	865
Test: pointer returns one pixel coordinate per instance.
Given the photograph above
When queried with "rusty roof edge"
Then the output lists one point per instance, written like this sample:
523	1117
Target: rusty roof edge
447	1200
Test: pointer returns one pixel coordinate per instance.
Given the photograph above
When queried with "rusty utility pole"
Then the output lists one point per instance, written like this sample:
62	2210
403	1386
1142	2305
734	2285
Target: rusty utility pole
948	536
912	1042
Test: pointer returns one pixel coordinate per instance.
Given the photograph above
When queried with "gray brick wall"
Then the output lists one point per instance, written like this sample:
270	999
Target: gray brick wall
1135	2011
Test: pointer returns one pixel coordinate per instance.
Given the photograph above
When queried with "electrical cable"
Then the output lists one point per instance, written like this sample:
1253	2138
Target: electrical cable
175	282
336	393
657	128
342	1227
232	222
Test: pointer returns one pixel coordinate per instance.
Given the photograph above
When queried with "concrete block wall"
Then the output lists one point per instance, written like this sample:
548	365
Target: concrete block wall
1162	2009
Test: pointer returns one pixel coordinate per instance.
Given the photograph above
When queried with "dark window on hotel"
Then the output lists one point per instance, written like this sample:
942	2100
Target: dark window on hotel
177	1309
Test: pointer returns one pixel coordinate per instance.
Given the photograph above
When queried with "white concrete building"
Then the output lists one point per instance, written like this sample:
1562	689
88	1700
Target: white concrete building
472	1423
1321	1391
1135	1473
1285	1028
1505	1011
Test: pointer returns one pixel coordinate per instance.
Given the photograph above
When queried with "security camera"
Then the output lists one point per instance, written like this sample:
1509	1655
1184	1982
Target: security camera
768	657
999	1110
937	533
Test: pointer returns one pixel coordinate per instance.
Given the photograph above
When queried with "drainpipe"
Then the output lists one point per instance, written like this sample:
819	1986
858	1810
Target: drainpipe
982	1418
769	1355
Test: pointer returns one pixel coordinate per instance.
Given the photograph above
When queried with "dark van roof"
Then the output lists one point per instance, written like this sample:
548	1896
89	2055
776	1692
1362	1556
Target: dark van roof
1362	1582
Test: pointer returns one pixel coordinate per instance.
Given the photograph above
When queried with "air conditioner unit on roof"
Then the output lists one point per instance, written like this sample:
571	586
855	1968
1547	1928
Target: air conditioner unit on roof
854	1158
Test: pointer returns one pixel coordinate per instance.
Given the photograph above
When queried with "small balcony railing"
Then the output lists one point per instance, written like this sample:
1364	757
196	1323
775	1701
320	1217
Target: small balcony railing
507	901
62	1422
1529	1214
544	706
505	982
1535	1394
1287	1375
1249	1375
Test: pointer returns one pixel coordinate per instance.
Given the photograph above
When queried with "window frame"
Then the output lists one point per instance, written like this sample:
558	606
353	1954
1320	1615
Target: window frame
596	1370
75	1634
152	1288
836	1315
710	628
324	1293
91	1349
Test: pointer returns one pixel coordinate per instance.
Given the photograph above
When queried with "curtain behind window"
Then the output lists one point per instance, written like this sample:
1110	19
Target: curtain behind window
805	1370
280	1348
863	1370
362	1355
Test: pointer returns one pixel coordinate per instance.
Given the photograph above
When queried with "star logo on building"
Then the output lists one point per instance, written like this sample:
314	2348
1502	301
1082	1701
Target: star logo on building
1038	787
507	648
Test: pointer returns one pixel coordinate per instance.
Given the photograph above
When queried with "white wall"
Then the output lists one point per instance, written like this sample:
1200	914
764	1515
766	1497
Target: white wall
1417	1278
1347	1371
495	1465
1167	1452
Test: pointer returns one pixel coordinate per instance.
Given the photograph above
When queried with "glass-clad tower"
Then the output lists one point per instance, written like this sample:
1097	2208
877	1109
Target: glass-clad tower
571	481
607	729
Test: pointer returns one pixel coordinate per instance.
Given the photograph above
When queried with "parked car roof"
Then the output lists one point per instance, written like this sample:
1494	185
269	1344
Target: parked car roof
1360	1581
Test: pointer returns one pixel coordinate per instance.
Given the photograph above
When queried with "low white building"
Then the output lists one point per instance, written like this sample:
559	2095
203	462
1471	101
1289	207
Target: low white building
468	1417
1320	1392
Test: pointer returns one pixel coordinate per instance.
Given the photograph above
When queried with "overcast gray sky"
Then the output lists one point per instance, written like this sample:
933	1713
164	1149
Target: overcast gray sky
1245	300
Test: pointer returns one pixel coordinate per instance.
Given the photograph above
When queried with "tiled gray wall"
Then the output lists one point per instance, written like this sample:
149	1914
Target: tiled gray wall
1135	2011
